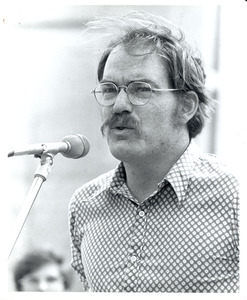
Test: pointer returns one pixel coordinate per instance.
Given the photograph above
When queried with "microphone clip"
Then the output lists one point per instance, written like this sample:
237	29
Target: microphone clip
46	162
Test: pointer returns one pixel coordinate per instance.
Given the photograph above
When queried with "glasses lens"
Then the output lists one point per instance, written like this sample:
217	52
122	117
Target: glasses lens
106	93
139	92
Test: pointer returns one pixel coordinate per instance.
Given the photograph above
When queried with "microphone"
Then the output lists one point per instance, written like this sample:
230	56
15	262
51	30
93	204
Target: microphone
72	146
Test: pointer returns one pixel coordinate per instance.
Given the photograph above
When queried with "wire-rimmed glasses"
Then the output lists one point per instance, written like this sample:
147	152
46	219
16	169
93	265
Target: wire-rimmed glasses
139	93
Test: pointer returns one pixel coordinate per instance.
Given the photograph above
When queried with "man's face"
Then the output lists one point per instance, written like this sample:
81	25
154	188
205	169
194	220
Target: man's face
148	130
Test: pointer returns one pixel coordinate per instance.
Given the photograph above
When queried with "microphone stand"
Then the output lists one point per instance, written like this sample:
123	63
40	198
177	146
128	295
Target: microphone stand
41	174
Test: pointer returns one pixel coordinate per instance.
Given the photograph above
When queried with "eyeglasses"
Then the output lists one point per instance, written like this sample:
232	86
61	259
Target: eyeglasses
139	93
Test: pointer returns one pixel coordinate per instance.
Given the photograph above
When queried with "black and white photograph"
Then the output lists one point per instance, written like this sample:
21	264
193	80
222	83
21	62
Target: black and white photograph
123	150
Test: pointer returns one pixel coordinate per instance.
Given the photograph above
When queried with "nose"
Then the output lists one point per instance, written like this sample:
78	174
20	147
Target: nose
43	286
122	102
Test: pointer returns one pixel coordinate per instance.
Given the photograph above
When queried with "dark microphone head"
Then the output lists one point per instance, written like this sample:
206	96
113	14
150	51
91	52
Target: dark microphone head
78	146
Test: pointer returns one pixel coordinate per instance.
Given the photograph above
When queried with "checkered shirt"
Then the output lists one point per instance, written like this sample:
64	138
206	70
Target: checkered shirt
183	238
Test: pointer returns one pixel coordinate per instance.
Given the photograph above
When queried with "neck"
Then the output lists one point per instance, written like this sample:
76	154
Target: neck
143	177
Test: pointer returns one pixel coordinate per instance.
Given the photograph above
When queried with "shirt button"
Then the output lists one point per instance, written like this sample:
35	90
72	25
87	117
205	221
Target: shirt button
133	258
141	213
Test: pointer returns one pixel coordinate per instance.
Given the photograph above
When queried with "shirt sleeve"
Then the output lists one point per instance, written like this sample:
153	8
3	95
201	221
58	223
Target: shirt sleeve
234	194
75	239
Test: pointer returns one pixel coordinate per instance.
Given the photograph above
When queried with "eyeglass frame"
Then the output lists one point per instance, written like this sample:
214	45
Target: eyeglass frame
125	88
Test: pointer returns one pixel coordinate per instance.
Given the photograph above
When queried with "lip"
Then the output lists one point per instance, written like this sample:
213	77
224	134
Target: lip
121	127
125	131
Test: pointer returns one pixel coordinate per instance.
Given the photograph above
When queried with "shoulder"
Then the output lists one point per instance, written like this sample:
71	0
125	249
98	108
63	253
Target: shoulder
213	168
214	163
209	167
93	188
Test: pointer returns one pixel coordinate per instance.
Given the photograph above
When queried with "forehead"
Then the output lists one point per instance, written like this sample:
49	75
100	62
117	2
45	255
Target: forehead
124	66
47	269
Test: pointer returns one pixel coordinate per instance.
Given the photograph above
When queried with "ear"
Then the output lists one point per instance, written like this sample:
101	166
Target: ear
189	106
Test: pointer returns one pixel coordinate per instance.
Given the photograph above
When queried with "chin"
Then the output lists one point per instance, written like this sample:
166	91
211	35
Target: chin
122	152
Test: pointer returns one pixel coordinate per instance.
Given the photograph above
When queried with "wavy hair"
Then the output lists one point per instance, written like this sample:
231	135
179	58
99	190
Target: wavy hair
146	31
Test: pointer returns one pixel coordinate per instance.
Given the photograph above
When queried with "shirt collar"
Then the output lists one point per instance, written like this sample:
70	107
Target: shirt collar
118	179
178	176
180	173
118	184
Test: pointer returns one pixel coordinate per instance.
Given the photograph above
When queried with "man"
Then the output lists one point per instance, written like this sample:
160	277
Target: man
165	220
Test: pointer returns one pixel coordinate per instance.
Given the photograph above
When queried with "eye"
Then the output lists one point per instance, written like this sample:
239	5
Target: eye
33	280
52	279
140	90
108	89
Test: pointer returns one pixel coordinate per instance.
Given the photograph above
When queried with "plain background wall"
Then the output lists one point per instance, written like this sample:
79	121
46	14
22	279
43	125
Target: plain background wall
49	71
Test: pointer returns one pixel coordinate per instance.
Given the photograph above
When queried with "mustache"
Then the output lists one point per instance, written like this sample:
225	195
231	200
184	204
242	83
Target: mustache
123	118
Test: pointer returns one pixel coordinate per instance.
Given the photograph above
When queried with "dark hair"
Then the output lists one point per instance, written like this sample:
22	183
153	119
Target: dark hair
186	73
32	261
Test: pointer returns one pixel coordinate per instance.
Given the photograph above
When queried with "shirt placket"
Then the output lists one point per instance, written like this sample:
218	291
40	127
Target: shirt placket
135	247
